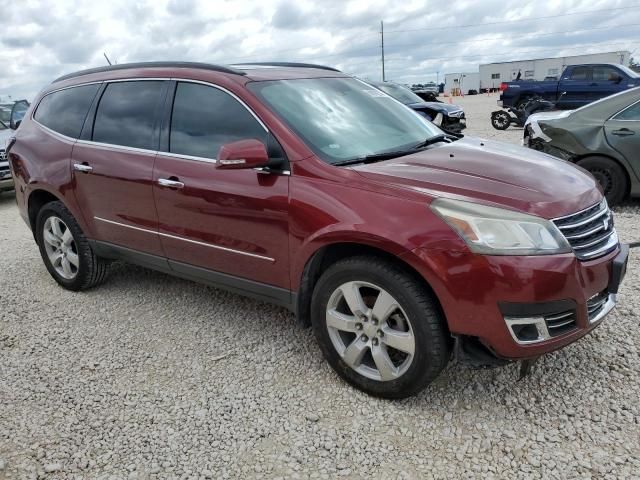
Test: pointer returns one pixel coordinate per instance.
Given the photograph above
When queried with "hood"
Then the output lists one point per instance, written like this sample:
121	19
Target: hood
438	106
493	173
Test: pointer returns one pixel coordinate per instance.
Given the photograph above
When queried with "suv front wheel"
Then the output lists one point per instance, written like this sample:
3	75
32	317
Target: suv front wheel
378	327
66	251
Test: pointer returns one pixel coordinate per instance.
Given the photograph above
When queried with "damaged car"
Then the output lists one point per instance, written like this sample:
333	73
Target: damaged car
602	137
449	118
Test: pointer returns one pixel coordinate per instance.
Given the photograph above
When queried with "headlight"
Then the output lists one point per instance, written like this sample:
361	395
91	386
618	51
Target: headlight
497	231
438	119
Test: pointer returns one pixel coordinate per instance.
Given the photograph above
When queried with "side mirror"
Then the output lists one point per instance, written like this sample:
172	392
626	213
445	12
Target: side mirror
242	154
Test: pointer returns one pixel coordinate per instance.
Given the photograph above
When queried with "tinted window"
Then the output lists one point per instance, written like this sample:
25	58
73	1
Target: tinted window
631	113
64	111
605	74
580	73
127	114
204	118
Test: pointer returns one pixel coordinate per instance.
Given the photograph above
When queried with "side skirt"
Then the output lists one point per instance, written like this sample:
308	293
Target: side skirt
260	291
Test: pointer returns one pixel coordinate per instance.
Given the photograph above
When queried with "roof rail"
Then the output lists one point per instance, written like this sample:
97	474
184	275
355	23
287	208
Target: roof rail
286	64
125	66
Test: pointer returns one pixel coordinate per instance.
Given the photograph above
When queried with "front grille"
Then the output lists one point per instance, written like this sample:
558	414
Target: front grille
560	323
3	157
596	303
590	232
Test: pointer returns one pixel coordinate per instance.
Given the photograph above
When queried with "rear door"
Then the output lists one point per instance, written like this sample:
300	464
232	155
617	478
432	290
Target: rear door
576	82
623	134
229	221
112	165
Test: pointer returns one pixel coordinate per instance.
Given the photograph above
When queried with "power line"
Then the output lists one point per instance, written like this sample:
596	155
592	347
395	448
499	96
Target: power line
515	21
360	35
528	37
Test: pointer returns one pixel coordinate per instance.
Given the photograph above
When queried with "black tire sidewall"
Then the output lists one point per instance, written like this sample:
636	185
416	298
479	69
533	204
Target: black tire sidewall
431	353
494	119
618	177
57	209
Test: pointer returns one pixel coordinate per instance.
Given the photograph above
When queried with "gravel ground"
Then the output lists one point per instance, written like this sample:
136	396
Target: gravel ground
150	377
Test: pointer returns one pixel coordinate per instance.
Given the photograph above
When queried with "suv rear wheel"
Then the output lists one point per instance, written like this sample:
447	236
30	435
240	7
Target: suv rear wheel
378	327
66	251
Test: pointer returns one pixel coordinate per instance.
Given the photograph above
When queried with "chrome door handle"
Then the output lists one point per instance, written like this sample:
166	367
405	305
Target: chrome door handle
167	182
80	167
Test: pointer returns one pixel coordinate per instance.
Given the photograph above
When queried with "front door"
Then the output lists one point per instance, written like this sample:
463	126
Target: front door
623	134
113	169
233	222
606	81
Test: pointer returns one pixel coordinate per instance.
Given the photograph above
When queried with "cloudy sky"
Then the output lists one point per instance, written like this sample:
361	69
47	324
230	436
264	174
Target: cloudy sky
43	39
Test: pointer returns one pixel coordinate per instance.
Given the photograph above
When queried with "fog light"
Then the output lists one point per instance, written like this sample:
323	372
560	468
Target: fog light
526	330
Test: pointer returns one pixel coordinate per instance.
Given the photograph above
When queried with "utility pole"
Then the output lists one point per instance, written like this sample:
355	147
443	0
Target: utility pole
382	47
107	58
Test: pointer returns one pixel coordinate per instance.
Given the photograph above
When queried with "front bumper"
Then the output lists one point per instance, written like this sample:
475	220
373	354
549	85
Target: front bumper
6	180
489	297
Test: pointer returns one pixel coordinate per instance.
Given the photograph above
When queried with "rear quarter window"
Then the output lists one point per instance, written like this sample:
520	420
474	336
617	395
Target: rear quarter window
65	111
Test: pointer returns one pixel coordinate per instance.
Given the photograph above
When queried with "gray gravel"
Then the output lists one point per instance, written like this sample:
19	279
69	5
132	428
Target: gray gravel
150	376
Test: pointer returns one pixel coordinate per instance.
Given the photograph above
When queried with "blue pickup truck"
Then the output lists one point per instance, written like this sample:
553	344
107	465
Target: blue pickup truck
578	86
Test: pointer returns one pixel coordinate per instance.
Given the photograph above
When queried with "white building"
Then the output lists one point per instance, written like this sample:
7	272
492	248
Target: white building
491	74
461	83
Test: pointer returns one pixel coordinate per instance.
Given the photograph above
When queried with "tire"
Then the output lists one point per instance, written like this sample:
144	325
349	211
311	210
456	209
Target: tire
500	120
611	177
76	267
413	324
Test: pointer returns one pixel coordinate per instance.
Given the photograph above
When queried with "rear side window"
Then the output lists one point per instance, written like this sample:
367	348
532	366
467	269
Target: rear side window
631	113
580	73
64	111
127	114
204	118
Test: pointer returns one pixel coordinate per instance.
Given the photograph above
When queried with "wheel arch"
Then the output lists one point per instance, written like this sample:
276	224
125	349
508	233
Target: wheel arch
328	254
37	199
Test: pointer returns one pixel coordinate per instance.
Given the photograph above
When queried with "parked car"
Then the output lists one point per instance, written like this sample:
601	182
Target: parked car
449	117
302	186
602	137
10	114
578	85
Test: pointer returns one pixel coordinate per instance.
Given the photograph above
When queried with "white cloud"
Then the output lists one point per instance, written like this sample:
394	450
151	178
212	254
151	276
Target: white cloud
42	40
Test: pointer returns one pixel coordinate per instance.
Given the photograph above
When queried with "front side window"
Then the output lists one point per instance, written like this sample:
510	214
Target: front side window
605	74
205	118
64	111
631	113
343	119
127	114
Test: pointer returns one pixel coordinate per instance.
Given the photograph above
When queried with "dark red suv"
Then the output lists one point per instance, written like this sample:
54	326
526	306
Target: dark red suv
299	185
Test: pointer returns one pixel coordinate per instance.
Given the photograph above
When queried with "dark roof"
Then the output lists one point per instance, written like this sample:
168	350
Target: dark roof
285	64
126	66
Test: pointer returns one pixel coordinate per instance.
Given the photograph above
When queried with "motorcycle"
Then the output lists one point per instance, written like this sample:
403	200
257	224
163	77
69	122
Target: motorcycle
502	119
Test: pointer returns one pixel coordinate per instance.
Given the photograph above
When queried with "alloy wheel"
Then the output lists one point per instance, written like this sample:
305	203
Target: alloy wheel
61	248
370	331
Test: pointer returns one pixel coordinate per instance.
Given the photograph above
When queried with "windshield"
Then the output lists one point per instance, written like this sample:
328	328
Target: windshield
400	93
343	118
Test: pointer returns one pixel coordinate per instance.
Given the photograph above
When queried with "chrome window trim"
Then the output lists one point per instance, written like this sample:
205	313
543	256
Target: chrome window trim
114	146
167	235
613	117
60	136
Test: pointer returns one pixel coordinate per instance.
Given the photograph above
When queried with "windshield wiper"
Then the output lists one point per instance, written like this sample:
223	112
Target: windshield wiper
375	157
435	139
